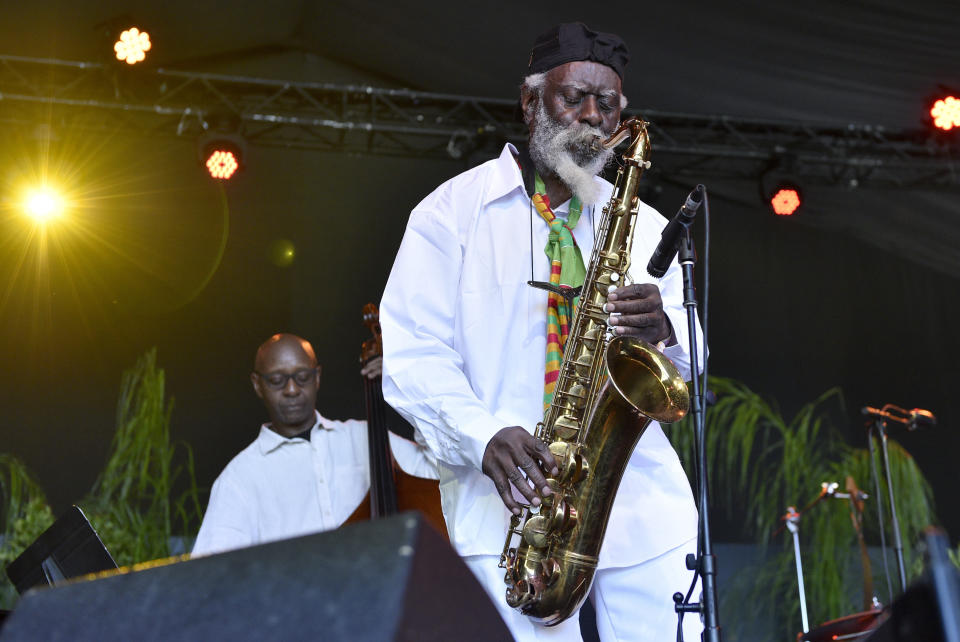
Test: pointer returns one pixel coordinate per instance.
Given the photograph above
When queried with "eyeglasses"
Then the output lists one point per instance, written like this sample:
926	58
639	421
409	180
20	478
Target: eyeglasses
278	380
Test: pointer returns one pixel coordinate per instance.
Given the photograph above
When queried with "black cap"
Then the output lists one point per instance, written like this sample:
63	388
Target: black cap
573	41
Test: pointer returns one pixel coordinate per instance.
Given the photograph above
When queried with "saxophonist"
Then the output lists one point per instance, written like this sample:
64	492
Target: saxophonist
471	350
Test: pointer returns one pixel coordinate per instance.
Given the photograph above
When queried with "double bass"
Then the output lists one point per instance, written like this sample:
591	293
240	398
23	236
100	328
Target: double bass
391	489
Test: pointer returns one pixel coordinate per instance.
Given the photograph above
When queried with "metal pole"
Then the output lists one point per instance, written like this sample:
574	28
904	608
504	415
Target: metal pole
793	525
894	522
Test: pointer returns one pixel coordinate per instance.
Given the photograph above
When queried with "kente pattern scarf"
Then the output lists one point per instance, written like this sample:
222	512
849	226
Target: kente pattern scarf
566	271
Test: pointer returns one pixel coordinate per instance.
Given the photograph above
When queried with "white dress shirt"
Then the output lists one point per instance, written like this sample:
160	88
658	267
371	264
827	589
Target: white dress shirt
279	487
464	341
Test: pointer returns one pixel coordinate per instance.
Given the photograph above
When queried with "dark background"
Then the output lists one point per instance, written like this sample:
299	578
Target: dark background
859	292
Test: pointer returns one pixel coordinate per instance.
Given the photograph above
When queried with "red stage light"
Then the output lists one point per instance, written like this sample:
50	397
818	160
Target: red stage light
785	202
946	113
222	163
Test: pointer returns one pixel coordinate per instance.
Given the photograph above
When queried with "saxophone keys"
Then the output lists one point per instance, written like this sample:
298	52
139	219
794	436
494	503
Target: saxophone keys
576	395
536	531
520	594
590	338
568	461
583	468
566	426
563	517
550	568
510	577
571	517
554	487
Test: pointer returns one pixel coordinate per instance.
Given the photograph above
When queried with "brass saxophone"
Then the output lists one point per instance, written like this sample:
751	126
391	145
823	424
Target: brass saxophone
609	389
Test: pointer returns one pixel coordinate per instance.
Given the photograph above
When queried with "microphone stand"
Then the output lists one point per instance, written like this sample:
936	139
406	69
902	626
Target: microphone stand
704	562
894	522
792	521
883	530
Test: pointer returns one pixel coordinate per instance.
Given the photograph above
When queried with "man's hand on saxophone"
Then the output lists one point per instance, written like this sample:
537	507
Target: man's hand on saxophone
512	457
636	310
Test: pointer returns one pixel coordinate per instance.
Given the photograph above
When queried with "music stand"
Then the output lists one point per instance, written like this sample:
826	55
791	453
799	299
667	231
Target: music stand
69	548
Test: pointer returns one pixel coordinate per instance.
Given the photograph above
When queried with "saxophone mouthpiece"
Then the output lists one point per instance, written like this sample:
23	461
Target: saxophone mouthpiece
620	134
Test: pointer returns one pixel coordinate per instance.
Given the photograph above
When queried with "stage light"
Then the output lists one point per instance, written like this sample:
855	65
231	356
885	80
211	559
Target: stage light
133	45
945	113
786	201
222	150
43	204
222	163
780	187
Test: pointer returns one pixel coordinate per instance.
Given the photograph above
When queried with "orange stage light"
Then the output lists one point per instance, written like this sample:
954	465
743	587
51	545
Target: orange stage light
222	163
785	202
132	46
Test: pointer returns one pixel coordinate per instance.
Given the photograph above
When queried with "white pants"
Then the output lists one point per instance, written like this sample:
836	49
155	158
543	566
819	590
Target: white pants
632	603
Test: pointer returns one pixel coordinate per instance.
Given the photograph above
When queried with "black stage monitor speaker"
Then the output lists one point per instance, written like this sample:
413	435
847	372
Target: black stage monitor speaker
929	610
69	548
391	579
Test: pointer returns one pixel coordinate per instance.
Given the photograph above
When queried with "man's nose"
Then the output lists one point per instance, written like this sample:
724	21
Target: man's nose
590	111
290	388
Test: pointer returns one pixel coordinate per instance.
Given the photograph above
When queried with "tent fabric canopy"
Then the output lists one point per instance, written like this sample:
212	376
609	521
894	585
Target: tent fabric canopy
870	62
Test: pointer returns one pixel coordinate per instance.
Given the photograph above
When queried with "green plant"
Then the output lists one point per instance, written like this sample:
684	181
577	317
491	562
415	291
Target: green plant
25	515
759	463
131	504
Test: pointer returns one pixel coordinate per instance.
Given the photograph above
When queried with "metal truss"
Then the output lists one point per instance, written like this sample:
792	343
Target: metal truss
401	122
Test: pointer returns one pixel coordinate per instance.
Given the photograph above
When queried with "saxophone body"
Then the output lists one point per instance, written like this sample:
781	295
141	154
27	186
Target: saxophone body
609	389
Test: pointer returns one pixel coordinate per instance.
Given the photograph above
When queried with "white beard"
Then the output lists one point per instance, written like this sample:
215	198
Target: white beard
566	152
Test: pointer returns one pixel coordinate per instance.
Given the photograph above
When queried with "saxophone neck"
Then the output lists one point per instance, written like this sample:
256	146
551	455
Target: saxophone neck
634	129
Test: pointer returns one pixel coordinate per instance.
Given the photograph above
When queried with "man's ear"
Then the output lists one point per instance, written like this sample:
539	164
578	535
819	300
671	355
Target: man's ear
255	380
319	370
528	103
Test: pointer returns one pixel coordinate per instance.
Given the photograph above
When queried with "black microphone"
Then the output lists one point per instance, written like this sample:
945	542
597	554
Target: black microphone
670	238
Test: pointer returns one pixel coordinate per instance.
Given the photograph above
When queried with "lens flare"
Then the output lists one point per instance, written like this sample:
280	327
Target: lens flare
43	204
282	252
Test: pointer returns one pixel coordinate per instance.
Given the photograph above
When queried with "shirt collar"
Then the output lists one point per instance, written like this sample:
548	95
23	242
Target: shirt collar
506	176
268	440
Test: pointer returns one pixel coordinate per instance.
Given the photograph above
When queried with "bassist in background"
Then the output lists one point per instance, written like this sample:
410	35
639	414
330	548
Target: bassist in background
303	473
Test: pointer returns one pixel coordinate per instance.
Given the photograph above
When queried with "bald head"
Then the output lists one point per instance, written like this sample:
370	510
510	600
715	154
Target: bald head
286	377
280	343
